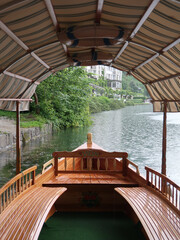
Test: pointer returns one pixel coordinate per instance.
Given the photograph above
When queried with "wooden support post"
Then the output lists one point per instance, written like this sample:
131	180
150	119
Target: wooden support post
124	166
163	167
147	176
33	177
18	145
56	165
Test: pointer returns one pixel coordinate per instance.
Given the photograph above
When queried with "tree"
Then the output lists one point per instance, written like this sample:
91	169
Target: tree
63	97
129	83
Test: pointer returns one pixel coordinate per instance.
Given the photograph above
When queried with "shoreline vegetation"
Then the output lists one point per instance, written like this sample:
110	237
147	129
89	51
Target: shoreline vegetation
96	105
66	99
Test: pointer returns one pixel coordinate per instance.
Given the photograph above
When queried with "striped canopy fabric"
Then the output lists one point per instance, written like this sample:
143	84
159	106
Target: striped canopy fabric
31	48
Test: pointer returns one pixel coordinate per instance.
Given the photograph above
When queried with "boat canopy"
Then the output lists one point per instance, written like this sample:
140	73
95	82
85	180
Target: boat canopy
40	37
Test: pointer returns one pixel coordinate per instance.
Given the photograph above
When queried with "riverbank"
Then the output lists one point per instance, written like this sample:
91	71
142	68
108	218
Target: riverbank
8	133
100	104
34	126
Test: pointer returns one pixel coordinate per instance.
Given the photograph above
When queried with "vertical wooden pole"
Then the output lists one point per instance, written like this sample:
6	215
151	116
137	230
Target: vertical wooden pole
18	145
33	177
124	166
163	169
56	165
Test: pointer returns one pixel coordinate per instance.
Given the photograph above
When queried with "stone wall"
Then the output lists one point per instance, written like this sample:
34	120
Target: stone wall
8	140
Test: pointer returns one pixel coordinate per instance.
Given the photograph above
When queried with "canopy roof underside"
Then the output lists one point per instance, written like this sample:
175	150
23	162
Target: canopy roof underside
31	48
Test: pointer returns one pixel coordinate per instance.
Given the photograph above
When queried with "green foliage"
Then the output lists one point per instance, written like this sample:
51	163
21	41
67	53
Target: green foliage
99	104
63	98
130	84
8	114
29	120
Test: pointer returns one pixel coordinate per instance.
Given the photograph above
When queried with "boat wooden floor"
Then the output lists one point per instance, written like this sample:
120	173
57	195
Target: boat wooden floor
116	179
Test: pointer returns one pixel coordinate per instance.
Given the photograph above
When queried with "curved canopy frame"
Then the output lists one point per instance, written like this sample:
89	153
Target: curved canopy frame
31	49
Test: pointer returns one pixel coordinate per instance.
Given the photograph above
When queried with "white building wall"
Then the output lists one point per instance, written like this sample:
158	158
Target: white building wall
110	73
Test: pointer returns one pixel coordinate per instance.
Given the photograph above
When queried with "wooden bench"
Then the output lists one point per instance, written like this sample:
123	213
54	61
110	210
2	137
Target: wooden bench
159	220
25	216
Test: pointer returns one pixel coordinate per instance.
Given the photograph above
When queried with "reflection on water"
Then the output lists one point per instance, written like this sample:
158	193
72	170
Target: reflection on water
136	130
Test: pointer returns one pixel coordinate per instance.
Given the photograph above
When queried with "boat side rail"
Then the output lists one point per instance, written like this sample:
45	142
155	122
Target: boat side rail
16	186
164	185
47	165
133	166
88	157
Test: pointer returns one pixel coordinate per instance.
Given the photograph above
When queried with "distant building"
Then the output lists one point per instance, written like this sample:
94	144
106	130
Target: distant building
113	76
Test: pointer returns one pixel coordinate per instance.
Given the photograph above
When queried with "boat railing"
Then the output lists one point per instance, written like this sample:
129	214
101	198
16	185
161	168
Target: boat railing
164	185
133	166
47	165
90	160
16	186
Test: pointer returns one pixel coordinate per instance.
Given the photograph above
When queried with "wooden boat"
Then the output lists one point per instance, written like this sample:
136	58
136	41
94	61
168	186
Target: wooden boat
89	179
39	38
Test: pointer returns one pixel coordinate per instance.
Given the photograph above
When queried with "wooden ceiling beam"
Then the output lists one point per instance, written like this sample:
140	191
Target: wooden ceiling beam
43	74
13	36
139	25
147	61
143	46
40	60
122	50
166	100
99	8
18	77
163	79
11	5
152	50
175	100
52	14
21	44
160	53
15	99
144	18
171	45
2	70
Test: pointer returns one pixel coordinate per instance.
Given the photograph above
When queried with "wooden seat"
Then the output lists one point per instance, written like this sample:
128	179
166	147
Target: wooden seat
25	216
158	219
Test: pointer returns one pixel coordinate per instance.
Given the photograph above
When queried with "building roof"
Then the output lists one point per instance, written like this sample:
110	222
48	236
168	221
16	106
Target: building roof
32	45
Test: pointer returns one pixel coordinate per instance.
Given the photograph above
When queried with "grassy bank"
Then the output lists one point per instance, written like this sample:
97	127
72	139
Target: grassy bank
99	104
27	120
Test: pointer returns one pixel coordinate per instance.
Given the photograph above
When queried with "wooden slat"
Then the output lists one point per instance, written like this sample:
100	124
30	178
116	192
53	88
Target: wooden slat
88	171
99	8
165	186
24	218
158	219
91	153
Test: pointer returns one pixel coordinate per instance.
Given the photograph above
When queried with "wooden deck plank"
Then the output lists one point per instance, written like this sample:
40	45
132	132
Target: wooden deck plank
94	179
157	218
90	178
24	218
